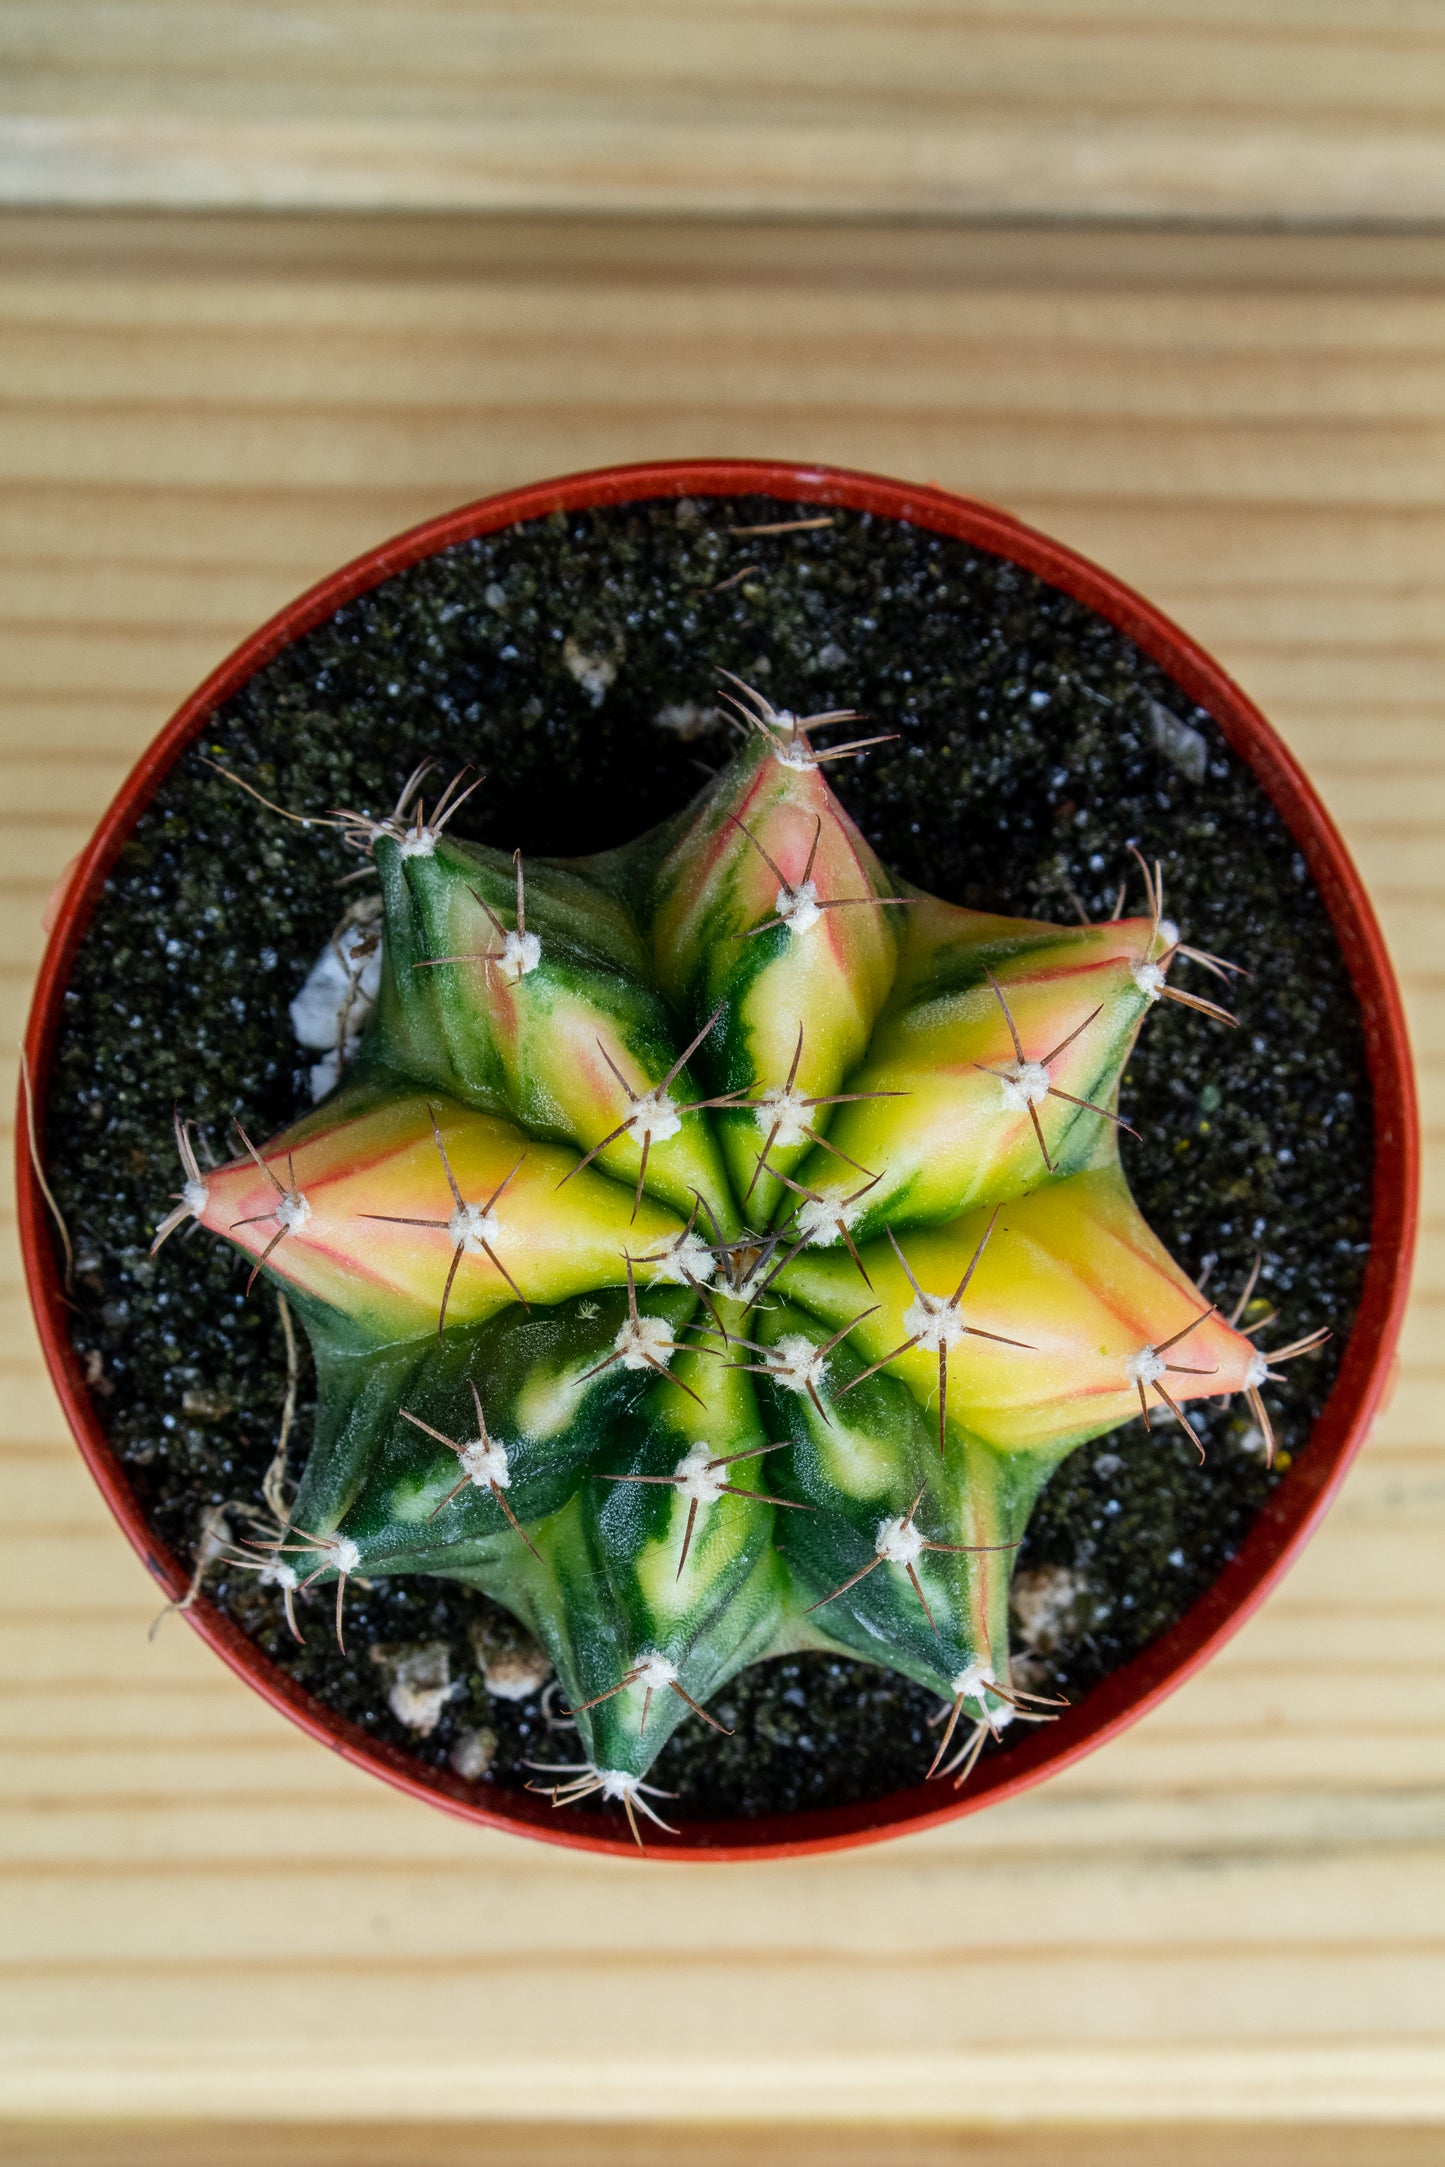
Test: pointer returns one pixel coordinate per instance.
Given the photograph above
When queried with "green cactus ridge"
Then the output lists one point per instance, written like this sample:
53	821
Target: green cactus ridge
712	1250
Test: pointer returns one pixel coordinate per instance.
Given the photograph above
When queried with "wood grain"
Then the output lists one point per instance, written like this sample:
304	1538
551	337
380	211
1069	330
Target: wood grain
1185	109
1234	1912
444	2144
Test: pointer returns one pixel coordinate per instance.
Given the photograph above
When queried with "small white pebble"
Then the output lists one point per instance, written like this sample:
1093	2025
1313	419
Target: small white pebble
419	1682
594	673
472	1754
1047	1602
687	720
512	1665
516	1673
344	982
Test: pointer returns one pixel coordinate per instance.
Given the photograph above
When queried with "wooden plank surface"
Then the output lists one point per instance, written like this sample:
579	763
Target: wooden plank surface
1245	109
1233	1912
238	2144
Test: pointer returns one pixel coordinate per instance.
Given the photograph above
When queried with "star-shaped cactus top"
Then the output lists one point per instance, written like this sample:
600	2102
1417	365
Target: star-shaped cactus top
715	1246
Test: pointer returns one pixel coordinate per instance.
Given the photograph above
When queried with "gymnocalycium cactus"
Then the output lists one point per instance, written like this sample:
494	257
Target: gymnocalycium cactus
713	1249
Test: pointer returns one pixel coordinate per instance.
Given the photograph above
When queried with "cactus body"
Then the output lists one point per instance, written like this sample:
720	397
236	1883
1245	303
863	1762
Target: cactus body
713	1250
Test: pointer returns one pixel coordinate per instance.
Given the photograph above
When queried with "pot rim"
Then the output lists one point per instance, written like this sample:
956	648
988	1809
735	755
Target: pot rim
1295	1507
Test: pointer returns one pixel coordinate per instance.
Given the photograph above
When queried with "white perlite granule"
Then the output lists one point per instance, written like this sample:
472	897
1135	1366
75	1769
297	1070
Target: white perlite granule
340	990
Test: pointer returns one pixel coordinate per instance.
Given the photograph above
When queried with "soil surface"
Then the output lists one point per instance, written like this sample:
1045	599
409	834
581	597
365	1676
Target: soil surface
573	660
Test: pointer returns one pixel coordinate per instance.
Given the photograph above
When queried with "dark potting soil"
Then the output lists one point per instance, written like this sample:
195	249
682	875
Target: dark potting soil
573	659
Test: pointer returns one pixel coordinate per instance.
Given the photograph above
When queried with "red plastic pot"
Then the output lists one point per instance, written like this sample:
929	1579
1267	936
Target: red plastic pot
1299	1501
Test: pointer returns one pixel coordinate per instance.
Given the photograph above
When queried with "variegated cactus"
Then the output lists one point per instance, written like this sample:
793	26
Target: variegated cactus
714	1248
